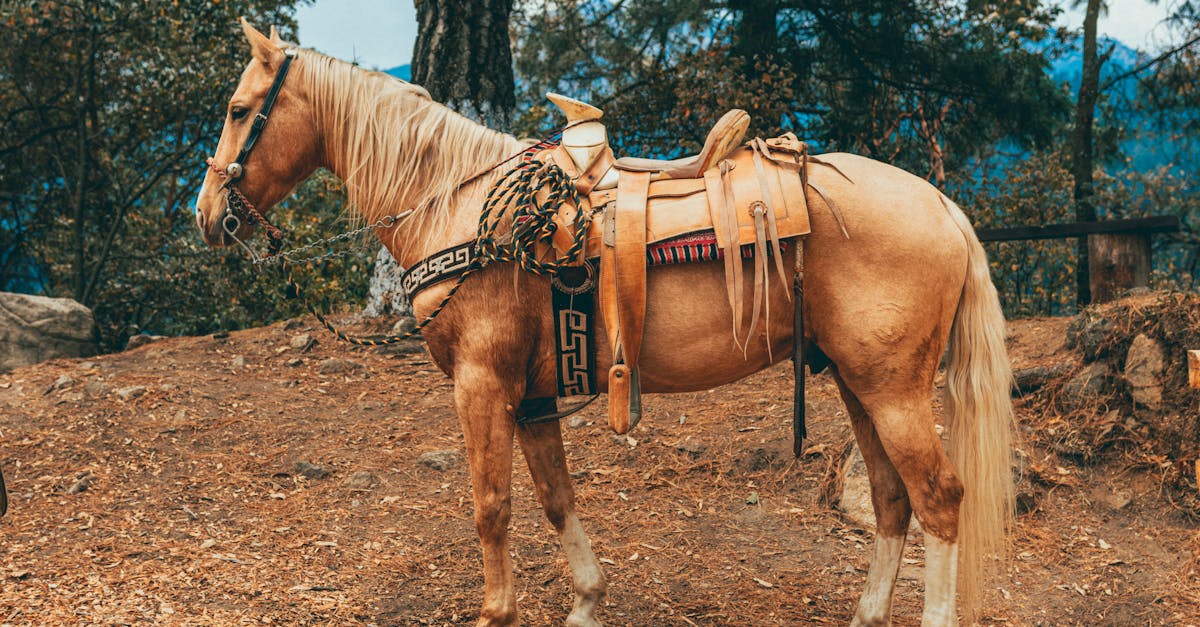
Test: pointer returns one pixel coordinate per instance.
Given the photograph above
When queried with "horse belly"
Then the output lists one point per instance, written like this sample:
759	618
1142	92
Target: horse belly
689	336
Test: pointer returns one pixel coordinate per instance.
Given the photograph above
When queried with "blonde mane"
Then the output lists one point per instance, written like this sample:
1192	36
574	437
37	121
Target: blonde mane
396	148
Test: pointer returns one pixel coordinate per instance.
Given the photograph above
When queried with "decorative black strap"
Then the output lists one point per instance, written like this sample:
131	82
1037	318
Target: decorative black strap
573	299
440	266
260	119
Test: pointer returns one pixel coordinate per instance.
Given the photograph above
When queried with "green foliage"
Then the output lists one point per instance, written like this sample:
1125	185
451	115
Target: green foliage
107	111
920	83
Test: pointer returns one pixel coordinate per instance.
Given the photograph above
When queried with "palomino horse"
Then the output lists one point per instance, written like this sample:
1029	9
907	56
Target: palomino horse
881	305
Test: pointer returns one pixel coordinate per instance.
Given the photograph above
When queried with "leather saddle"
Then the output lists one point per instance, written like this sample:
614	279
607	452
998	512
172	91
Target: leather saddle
747	193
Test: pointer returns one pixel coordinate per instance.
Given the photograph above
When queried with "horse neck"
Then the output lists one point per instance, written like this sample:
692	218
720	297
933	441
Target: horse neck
398	151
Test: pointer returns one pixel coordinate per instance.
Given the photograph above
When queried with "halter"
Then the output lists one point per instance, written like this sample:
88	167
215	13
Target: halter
235	201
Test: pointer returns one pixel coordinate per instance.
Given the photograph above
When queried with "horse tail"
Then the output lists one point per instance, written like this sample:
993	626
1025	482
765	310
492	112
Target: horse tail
980	422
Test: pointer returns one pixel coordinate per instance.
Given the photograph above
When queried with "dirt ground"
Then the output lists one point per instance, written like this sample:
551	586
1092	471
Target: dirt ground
161	485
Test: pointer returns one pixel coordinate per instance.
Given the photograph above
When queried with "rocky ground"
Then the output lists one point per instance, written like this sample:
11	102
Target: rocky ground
272	476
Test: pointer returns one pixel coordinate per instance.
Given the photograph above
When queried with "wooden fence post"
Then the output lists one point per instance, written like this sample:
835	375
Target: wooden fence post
1118	262
1194	369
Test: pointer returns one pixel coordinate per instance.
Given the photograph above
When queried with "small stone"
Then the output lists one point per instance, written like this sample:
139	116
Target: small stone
752	499
142	339
577	421
361	480
238	362
404	325
96	388
131	392
1118	499
334	365
87	365
1028	380
1143	371
295	361
692	447
293	324
1088	385
302	342
1087	333
440	460
312	471
63	381
81	484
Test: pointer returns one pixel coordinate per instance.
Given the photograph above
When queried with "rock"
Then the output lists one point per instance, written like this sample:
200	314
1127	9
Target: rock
292	363
440	460
1028	380
131	392
1087	333
293	323
1118	499
1086	386
404	325
1143	371
96	388
577	421
36	328
62	382
406	347
303	342
238	362
361	480
334	365
87	365
312	471
81	484
692	447
385	293
142	339
855	500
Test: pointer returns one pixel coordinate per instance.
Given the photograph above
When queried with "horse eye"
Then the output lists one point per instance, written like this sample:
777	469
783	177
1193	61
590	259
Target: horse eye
238	113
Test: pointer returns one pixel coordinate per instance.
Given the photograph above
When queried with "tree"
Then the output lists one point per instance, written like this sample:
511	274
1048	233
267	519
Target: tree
1082	149
107	110
922	84
463	57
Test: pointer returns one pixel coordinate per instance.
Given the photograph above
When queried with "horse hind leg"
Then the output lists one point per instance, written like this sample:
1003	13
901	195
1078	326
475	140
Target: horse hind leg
543	448
892	514
905	428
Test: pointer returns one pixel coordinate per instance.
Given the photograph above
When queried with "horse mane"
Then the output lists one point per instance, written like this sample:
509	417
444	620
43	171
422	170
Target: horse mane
397	148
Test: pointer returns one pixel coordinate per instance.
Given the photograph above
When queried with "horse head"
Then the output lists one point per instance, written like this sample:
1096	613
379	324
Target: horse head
285	148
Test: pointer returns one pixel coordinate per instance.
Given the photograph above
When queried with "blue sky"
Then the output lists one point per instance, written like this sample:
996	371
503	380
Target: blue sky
380	33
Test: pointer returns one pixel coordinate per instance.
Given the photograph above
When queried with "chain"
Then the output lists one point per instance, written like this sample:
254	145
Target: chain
292	255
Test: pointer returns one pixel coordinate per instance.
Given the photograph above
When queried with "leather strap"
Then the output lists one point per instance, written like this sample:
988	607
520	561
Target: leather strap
590	178
630	261
260	118
799	429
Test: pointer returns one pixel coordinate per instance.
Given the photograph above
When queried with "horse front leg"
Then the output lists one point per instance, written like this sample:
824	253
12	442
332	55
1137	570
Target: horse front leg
543	448
486	401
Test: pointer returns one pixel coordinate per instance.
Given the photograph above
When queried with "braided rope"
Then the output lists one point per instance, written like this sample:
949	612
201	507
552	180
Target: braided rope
515	194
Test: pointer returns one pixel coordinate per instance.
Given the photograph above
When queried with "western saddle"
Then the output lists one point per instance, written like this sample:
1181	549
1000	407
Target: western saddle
751	195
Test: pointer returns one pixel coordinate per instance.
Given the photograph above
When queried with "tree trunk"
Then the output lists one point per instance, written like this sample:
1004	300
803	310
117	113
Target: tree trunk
757	31
463	57
1082	157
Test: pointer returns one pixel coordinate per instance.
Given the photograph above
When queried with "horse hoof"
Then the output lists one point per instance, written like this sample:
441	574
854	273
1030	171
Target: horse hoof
583	621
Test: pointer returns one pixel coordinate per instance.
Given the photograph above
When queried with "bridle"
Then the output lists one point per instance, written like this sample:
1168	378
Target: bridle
238	208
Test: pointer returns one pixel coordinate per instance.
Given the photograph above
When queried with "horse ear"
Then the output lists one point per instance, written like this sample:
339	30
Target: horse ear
275	38
261	47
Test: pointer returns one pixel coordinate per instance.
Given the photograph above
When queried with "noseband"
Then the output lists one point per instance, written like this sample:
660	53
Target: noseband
237	206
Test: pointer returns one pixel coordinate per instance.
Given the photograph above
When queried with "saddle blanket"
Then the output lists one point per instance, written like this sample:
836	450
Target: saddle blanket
694	247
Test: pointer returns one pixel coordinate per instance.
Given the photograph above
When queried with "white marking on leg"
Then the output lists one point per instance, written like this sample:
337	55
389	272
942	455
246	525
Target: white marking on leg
875	605
941	577
585	572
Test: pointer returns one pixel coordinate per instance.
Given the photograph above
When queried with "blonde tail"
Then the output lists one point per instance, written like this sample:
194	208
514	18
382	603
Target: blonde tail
980	415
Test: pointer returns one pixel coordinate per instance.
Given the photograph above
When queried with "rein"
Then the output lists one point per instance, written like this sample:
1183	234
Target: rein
532	222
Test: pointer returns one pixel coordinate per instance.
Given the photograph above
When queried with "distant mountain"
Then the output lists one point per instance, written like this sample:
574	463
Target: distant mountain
402	72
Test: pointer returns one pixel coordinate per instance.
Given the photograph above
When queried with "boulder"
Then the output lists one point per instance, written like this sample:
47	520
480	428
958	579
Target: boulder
1087	386
36	328
1143	371
1087	334
385	294
855	500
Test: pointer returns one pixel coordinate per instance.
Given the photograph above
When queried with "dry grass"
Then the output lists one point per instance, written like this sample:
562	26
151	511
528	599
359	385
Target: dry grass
194	511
